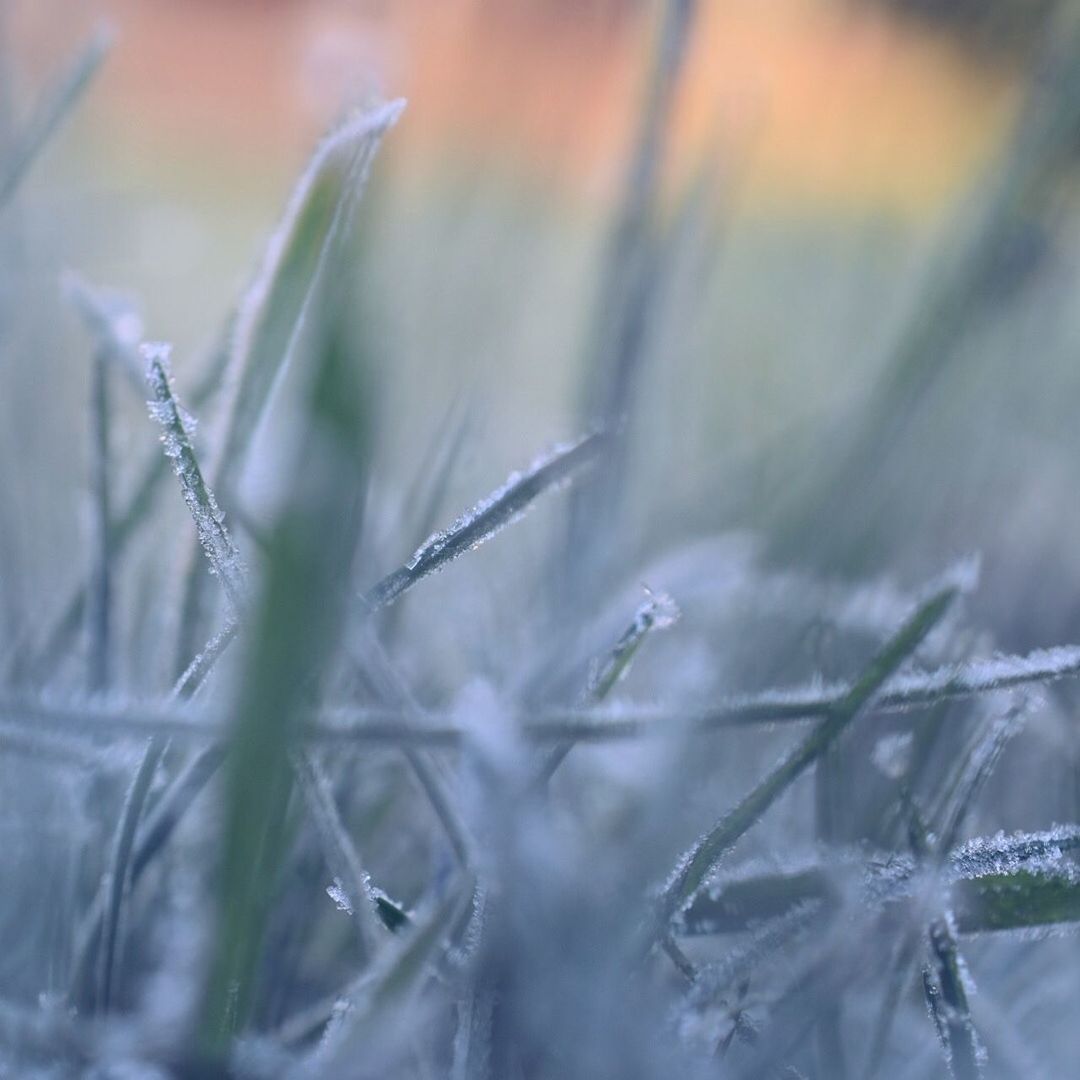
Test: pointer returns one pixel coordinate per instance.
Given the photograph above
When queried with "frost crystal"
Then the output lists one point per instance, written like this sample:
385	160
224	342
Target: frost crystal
177	430
892	754
336	891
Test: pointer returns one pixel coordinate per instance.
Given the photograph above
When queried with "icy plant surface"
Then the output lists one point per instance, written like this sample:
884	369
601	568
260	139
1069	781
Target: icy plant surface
316	787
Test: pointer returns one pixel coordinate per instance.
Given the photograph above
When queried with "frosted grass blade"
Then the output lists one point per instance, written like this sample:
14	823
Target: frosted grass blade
218	546
225	560
339	851
946	980
703	857
502	507
656	613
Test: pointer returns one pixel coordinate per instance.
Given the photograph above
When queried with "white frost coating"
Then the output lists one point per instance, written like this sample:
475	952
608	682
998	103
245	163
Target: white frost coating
225	560
1005	854
336	891
892	754
501	507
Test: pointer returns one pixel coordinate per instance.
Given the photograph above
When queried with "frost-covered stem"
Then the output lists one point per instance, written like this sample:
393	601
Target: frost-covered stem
503	506
658	611
198	671
222	554
703	857
963	1050
943	976
339	851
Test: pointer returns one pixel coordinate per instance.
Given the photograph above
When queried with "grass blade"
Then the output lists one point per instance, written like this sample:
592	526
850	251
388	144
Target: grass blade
703	857
99	608
52	112
626	299
298	616
216	542
271	314
502	507
658	612
339	851
225	560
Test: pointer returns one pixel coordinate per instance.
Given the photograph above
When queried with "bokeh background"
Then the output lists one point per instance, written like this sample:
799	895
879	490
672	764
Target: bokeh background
821	157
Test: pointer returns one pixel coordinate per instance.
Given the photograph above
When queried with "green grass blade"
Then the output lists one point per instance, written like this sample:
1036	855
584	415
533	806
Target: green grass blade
703	857
947	979
299	612
1035	156
52	112
270	316
1021	898
119	878
308	238
625	301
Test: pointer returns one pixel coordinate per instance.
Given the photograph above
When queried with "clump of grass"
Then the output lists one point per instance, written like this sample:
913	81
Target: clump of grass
299	755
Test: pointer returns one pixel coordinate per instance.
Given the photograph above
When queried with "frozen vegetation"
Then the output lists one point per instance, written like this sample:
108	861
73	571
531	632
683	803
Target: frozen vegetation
276	805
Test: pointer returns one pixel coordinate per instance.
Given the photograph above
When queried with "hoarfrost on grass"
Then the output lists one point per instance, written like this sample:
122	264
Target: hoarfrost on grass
336	891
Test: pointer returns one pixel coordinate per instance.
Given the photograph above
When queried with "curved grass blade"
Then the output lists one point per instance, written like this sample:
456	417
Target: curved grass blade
271	314
703	857
502	507
52	112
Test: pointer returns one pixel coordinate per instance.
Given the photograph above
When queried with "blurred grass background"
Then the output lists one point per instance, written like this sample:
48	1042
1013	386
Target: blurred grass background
820	151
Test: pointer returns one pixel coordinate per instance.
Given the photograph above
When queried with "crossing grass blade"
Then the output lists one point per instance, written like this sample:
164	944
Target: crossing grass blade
703	857
299	612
